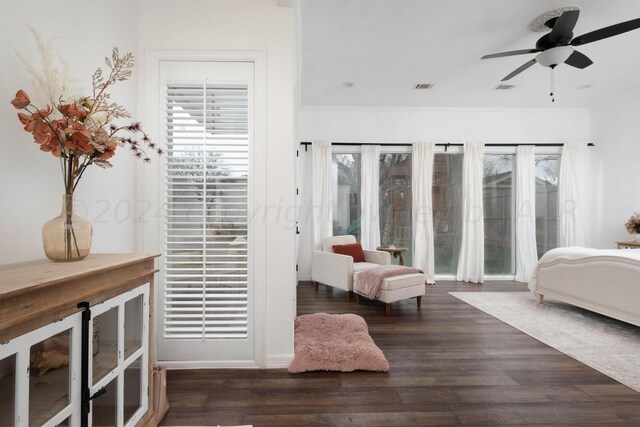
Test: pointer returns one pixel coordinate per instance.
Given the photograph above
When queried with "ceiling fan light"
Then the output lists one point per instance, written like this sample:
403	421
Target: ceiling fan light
554	56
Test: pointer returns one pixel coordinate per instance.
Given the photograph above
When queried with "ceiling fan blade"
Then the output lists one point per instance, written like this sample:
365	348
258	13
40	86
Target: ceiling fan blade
519	70
606	32
563	28
578	60
510	53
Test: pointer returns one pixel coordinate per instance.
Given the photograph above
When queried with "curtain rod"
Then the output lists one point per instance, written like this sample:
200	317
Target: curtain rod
446	144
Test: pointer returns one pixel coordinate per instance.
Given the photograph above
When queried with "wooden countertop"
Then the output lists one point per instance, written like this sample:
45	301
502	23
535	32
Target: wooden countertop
28	276
34	293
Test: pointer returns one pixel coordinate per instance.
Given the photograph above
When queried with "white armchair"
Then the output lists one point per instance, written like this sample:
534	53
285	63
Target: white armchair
336	270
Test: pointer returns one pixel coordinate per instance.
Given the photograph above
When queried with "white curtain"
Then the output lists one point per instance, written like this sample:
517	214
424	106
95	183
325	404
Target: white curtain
471	261
322	205
571	194
369	189
422	182
526	248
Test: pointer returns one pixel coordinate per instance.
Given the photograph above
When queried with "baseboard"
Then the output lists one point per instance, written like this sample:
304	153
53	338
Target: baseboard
304	277
215	364
272	362
279	361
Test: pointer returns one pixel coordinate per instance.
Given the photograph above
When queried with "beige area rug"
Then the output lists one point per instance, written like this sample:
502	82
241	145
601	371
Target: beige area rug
335	342
605	344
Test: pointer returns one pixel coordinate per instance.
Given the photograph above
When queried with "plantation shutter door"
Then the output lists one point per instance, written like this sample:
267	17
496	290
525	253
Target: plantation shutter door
206	283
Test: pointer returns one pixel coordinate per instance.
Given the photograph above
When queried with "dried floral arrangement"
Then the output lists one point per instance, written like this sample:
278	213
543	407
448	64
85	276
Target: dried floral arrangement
79	130
633	224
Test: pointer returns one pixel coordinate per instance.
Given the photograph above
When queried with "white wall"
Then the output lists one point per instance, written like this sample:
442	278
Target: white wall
250	25
342	124
444	124
31	186
615	127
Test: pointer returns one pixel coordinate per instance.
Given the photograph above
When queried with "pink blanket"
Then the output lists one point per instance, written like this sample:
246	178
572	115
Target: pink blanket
369	281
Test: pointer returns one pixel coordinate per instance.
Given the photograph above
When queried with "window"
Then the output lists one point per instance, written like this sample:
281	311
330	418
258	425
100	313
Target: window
447	211
499	245
498	199
394	198
547	172
346	194
208	205
395	202
206	210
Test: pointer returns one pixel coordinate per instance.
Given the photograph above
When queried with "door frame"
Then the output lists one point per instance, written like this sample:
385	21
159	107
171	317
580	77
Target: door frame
149	201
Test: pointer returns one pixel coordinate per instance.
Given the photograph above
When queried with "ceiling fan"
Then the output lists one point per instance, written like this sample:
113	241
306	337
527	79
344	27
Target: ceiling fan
556	46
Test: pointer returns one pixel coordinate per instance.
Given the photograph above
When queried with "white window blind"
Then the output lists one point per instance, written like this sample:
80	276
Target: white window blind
206	286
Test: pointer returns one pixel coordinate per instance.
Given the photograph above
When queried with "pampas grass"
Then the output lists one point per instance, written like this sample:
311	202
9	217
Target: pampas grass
53	81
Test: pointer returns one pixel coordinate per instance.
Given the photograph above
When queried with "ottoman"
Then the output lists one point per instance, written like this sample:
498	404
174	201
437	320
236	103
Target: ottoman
397	288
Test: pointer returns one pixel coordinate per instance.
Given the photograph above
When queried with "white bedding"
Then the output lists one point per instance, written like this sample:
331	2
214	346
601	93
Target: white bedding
606	281
577	252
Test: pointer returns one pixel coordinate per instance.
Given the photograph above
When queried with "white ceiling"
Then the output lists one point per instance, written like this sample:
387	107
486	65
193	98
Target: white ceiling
385	47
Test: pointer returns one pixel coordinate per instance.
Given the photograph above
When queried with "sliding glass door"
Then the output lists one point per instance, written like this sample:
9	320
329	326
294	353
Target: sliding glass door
447	211
499	235
346	194
547	172
395	202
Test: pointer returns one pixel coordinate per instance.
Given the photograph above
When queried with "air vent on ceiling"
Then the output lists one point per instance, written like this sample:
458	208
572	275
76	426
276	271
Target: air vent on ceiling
423	86
504	87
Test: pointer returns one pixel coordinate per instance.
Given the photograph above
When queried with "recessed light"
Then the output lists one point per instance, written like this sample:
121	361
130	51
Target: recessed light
423	86
348	84
504	87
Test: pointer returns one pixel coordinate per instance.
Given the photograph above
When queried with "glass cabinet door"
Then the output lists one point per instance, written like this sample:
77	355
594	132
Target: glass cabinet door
120	360
132	389
104	342
104	410
49	378
40	376
133	325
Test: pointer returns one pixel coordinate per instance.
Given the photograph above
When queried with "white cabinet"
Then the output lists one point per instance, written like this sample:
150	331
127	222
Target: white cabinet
33	393
75	342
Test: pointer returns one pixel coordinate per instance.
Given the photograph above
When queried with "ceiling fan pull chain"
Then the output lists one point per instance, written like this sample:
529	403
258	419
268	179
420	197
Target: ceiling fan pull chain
553	99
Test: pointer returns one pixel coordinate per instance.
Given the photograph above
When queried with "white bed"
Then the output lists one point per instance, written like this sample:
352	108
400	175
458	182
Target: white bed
606	281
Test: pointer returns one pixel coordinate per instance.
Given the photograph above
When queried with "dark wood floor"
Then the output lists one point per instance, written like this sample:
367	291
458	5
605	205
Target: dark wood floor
450	364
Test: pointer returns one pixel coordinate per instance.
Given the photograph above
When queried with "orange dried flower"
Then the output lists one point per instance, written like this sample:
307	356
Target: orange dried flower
83	134
43	113
72	110
21	100
25	119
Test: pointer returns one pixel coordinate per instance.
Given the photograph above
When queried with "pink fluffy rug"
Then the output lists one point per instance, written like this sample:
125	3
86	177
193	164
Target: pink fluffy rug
335	342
